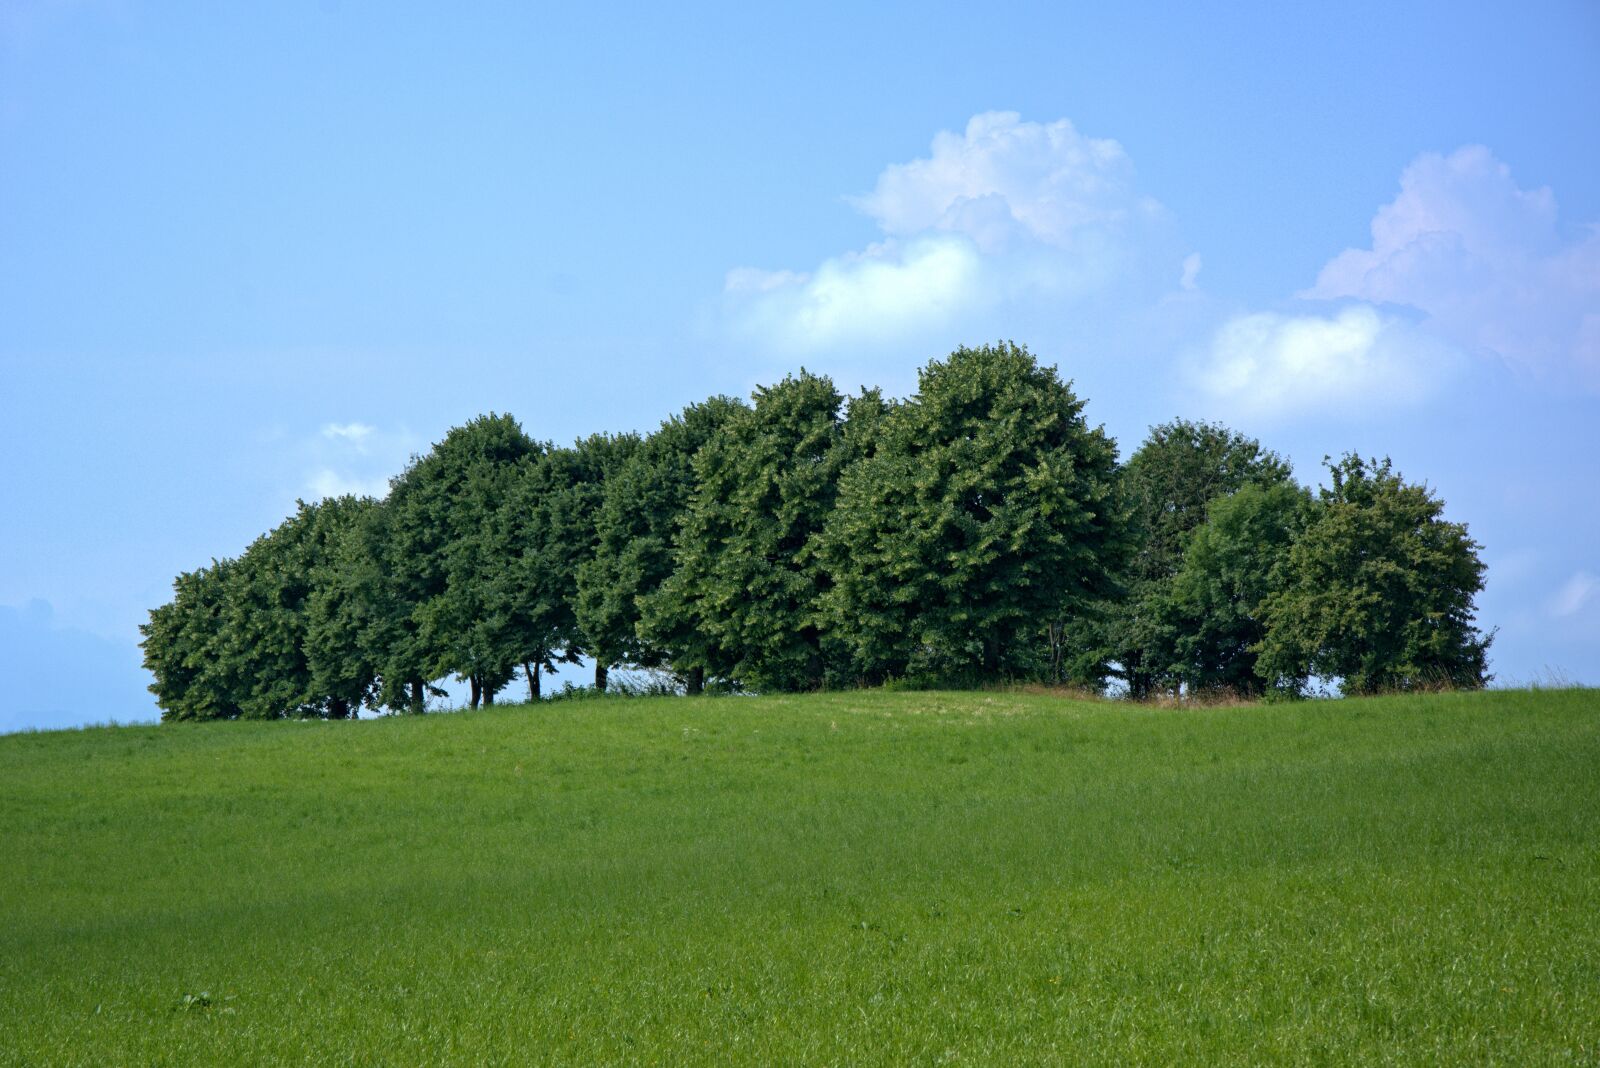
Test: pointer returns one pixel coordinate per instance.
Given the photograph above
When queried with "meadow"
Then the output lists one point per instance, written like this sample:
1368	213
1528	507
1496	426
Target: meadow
858	878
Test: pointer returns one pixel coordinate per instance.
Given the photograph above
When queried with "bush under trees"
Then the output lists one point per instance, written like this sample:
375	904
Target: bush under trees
979	530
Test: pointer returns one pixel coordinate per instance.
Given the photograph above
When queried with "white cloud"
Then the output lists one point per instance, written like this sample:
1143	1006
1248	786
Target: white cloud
1004	178
887	290
1577	592
1006	211
1266	364
1485	262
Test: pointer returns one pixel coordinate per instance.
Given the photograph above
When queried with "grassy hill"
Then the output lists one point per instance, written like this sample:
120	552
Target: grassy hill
918	878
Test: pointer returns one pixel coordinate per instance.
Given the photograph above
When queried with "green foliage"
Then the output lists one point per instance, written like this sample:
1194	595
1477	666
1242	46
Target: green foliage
642	503
267	625
979	530
620	687
862	878
1231	564
352	612
237	639
984	507
442	553
1379	590
1175	475
548	527
743	600
184	647
1169	482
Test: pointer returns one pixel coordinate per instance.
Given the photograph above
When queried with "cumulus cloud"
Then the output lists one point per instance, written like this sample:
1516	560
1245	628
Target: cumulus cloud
1267	363
1485	262
1465	260
1007	210
879	293
1004	179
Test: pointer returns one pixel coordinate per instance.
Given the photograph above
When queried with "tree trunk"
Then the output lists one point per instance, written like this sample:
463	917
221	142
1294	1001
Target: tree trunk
477	690
1138	681
991	656
488	695
696	683
416	695
600	674
533	680
338	708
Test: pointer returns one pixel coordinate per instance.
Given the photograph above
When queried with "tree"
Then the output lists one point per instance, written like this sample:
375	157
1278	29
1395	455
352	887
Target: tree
742	601
987	505
547	530
441	554
641	505
184	647
1169	482
1379	591
350	613
1231	564
237	642
266	626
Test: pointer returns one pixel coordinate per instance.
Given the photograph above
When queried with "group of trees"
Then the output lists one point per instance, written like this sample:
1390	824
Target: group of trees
979	530
1245	582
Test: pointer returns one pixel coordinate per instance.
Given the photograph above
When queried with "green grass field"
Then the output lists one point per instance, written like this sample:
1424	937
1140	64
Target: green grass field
912	878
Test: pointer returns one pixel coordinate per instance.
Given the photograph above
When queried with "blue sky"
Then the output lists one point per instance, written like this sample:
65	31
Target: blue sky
255	252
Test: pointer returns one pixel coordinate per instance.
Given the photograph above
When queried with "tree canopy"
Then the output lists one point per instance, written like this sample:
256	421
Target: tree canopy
1211	615
442	553
641	504
987	507
1378	591
1168	484
747	575
979	530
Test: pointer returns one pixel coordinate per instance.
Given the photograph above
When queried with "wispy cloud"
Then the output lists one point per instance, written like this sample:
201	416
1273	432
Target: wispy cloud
888	290
352	458
1191	272
330	483
1011	224
1577	592
352	432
